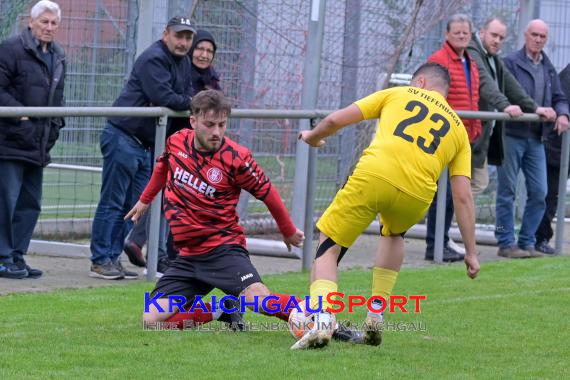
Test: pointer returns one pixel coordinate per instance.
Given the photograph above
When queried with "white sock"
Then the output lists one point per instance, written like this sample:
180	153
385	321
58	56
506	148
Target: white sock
375	306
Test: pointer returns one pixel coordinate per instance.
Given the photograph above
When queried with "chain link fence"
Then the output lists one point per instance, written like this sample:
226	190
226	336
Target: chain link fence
262	45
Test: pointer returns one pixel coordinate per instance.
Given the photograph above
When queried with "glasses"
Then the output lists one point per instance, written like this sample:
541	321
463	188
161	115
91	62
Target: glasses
201	50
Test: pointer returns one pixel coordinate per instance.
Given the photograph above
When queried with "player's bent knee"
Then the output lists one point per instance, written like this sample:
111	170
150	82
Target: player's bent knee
258	290
154	315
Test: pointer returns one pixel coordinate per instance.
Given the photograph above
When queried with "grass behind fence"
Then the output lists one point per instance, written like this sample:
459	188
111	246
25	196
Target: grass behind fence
512	322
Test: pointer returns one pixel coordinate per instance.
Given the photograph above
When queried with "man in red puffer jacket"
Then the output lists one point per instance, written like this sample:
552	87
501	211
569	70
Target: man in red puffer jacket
463	95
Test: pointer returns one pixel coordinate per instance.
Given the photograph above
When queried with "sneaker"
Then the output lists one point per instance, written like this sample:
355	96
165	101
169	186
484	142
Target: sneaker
456	247
21	264
106	272
346	334
127	274
449	255
134	253
319	336
543	247
373	327
513	252
10	270
532	252
235	319
161	267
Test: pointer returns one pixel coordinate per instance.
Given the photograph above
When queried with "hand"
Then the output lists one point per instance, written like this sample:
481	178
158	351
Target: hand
307	136
546	113
472	264
561	124
513	110
136	212
295	240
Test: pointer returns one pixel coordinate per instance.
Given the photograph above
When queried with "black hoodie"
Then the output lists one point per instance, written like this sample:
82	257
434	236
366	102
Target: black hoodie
203	79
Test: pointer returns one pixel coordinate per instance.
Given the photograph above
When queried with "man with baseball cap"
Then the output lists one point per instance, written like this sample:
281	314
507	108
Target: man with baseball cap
160	77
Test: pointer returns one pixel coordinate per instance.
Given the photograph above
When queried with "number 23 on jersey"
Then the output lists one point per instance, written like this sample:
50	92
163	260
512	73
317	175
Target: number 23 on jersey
420	112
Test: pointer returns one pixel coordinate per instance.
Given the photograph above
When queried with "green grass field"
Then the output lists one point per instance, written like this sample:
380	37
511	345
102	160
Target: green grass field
512	322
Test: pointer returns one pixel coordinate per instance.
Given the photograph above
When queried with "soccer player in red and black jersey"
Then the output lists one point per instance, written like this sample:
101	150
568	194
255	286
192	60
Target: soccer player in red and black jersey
202	173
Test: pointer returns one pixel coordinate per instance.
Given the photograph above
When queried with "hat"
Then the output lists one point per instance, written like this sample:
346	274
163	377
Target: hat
179	24
202	35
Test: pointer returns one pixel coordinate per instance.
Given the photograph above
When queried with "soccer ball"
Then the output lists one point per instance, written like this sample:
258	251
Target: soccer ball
299	323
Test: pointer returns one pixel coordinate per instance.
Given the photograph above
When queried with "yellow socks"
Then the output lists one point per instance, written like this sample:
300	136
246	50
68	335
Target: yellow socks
383	281
321	288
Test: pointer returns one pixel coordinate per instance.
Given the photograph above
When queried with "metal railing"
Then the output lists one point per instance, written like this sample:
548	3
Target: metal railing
300	187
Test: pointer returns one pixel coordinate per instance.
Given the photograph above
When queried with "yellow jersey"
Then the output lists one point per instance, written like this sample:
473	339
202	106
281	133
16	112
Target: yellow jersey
417	135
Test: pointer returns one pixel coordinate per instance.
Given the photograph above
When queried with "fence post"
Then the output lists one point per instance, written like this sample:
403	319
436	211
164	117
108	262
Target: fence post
155	212
311	76
144	26
561	208
440	216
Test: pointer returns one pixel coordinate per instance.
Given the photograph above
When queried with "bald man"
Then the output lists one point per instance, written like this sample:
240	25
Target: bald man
524	150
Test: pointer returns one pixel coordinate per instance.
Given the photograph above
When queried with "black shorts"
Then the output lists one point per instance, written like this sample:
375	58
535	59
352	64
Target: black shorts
227	268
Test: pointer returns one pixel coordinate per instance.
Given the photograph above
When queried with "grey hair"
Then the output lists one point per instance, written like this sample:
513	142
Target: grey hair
536	21
45	6
459	17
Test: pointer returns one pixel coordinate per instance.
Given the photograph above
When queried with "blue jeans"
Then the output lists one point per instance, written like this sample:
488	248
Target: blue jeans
126	172
526	154
431	219
20	206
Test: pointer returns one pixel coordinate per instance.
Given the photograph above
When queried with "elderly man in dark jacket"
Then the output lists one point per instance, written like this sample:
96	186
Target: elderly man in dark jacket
32	72
553	148
524	150
160	77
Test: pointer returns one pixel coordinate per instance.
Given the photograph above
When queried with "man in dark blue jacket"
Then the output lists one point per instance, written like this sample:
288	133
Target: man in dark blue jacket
553	149
523	142
160	77
32	72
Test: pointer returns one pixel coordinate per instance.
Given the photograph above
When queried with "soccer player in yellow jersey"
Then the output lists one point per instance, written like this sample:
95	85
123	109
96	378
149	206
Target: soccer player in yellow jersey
417	136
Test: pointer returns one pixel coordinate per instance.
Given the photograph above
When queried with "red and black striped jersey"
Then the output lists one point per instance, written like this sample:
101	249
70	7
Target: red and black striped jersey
202	189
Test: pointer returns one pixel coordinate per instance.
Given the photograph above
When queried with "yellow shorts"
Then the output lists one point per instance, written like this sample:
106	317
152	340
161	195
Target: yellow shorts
359	202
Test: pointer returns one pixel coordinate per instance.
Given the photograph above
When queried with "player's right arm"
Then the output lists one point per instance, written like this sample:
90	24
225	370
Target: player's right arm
331	124
156	183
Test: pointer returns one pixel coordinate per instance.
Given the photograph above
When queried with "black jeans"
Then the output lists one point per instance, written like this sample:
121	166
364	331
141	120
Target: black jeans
20	206
544	231
430	235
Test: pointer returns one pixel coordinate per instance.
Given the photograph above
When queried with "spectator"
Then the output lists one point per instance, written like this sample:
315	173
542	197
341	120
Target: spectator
523	146
553	149
32	73
160	77
202	52
203	77
497	90
463	95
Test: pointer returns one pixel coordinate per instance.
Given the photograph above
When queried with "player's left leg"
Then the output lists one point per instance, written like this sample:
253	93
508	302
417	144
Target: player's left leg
398	214
350	213
275	306
387	262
